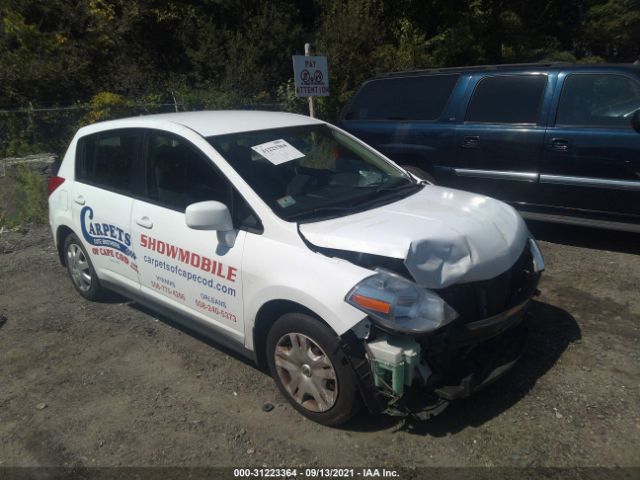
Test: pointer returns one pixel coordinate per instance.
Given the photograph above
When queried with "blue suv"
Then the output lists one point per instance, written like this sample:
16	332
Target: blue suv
555	140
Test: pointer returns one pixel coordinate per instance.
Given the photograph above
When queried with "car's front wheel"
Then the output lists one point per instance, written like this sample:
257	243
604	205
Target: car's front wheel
310	369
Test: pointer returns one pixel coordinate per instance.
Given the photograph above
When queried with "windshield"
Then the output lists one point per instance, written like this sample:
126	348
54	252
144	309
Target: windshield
312	172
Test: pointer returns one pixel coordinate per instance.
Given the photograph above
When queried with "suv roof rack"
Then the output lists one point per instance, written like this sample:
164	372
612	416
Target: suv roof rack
475	68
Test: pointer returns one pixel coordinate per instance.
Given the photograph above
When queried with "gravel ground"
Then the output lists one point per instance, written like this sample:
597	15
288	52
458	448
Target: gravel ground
109	384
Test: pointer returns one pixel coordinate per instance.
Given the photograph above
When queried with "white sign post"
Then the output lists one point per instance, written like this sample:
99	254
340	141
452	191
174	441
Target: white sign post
311	76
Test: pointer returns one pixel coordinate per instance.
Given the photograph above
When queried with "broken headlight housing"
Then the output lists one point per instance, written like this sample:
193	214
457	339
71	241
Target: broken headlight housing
399	305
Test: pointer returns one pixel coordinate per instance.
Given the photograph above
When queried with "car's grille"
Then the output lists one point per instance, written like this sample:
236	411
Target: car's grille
483	299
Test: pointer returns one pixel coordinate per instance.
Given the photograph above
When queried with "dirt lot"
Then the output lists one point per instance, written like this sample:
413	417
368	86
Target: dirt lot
84	384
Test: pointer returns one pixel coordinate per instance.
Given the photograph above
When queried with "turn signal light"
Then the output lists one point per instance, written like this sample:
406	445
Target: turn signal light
371	303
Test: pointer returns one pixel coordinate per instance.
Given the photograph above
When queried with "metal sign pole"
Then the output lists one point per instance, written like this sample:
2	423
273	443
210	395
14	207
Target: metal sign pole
307	52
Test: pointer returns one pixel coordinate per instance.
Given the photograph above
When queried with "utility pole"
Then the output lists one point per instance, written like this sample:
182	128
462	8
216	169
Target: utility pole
307	53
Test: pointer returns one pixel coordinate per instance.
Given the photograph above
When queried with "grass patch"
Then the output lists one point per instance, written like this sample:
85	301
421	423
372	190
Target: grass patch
23	197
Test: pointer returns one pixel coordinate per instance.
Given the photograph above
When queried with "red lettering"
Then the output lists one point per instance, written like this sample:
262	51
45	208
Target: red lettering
184	256
231	274
206	264
172	250
219	270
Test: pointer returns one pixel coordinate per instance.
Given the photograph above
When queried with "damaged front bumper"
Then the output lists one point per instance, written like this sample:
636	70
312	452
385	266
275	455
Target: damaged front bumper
419	376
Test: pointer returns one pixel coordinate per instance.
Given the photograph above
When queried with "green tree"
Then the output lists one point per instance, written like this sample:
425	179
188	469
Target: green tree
611	30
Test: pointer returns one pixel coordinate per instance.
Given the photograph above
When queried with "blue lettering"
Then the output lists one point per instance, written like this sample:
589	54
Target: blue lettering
104	230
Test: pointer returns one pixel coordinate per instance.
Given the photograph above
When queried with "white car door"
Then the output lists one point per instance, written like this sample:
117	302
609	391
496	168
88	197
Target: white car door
101	202
187	269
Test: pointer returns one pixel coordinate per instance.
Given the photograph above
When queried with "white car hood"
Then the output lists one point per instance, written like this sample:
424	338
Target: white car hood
445	236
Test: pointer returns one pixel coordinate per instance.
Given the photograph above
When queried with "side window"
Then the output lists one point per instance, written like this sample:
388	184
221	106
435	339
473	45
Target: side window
514	99
598	100
404	98
179	175
107	159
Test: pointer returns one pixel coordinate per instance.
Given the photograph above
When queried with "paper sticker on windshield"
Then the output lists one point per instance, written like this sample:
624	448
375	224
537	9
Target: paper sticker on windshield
278	151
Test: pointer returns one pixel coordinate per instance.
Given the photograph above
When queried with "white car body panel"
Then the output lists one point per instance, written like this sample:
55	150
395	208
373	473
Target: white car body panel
445	236
276	270
189	267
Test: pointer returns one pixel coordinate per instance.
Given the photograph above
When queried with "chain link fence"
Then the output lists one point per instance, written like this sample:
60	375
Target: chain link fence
29	130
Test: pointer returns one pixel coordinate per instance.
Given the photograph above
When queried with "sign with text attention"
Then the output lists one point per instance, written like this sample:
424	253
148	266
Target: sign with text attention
311	76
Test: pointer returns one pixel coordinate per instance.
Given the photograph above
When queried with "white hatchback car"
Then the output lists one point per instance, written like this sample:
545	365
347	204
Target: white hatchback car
293	242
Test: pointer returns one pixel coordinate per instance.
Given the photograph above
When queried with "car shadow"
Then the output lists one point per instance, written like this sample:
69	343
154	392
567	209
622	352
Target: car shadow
111	297
551	331
192	333
586	237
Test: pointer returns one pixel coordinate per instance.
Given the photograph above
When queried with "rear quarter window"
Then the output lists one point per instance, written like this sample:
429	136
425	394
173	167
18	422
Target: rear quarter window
403	98
106	159
514	99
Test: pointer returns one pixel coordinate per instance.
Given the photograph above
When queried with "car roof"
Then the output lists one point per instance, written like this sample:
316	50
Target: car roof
209	123
567	66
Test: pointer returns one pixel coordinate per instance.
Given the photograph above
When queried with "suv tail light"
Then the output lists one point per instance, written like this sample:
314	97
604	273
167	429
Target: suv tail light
54	182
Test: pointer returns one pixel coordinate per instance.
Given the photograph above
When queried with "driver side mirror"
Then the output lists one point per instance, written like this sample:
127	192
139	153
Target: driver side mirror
635	121
211	215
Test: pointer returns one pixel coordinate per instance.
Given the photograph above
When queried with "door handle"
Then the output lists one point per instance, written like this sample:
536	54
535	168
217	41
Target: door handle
144	222
559	145
472	141
79	199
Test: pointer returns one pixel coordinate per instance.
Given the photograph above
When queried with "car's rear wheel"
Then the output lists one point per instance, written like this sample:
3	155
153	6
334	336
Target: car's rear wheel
420	173
310	369
81	271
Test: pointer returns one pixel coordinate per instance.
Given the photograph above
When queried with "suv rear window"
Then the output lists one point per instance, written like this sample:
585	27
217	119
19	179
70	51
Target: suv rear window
106	159
507	99
404	98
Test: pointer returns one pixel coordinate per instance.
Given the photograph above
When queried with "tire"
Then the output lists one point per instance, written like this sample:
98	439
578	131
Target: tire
418	172
81	272
310	369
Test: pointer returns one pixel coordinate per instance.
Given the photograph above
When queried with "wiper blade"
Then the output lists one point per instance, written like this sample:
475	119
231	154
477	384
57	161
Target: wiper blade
396	188
313	211
382	192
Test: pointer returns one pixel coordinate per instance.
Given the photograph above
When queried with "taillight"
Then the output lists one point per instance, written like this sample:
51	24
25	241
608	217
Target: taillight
54	182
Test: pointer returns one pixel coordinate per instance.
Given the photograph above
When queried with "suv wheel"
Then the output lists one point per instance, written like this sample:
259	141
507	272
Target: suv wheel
81	271
420	173
307	364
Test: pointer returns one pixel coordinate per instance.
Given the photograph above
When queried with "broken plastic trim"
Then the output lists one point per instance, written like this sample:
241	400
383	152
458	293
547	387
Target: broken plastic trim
414	401
538	259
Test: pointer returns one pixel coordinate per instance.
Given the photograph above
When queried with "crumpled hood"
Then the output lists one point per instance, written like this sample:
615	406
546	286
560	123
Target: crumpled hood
445	236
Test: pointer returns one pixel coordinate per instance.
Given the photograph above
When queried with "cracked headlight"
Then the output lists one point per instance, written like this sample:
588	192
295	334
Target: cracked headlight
400	305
